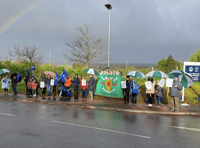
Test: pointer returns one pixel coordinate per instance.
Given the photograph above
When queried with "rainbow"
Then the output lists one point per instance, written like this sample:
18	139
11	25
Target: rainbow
17	16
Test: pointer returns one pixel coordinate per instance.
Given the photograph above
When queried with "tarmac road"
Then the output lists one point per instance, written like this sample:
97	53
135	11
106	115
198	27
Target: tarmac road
25	125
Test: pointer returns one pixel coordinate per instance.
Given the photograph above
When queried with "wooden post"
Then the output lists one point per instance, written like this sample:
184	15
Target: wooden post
152	68
176	67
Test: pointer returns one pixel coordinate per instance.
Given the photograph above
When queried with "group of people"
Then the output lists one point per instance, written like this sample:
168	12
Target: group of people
155	91
47	85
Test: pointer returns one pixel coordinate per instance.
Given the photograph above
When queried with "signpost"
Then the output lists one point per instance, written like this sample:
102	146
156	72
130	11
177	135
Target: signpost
192	68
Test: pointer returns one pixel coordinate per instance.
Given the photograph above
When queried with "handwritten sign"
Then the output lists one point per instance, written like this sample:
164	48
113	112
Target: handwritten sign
148	85
161	83
42	84
52	82
123	83
83	82
169	82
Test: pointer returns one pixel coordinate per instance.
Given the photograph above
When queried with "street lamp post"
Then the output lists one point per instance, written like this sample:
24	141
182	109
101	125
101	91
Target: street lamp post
109	7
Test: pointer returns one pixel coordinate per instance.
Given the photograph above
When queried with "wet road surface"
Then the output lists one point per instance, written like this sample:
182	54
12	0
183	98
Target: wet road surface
25	125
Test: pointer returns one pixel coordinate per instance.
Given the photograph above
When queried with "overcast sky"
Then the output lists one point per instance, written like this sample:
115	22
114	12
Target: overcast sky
144	31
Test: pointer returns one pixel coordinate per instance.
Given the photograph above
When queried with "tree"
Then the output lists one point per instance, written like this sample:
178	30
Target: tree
85	49
195	57
27	53
162	65
171	64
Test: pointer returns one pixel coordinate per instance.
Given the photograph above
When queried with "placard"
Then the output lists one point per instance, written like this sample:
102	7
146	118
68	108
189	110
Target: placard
161	82
169	82
123	83
83	82
42	84
148	85
52	82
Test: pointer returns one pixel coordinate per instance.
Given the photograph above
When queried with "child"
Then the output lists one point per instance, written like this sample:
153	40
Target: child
134	87
14	85
158	95
34	87
29	85
84	88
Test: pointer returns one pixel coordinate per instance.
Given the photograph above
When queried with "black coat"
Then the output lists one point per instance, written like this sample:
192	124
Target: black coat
76	83
14	82
127	89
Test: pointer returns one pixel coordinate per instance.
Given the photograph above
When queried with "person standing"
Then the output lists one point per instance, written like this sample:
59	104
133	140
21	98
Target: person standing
68	82
84	88
6	84
91	87
126	90
76	82
34	86
175	91
134	87
14	85
48	85
27	78
43	80
150	92
158	94
54	89
29	85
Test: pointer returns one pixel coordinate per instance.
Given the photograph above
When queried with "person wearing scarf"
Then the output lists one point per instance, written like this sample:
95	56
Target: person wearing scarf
134	88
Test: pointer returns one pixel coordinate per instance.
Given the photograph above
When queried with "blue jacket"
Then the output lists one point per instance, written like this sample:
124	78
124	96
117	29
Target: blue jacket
134	88
76	83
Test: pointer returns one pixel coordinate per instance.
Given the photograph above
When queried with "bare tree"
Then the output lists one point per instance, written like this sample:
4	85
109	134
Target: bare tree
27	53
85	49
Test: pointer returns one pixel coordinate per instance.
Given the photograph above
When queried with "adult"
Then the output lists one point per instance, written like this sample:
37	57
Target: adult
48	85
135	92
158	94
29	85
76	82
91	86
68	82
14	85
175	91
126	91
150	92
54	89
84	88
43	80
6	84
27	78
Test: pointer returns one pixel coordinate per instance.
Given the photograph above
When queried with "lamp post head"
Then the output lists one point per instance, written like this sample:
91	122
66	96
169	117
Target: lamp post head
108	6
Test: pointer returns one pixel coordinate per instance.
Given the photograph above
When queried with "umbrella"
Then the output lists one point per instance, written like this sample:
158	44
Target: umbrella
158	74
136	74
184	77
2	71
15	74
49	73
91	71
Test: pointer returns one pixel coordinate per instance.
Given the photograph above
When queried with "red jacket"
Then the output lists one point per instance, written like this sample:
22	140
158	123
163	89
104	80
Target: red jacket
83	87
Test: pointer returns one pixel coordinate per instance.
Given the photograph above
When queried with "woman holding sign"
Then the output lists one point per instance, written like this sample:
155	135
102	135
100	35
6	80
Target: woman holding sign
150	90
42	86
84	87
53	88
48	84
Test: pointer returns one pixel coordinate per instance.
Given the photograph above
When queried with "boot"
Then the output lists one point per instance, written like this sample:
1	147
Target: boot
54	96
43	97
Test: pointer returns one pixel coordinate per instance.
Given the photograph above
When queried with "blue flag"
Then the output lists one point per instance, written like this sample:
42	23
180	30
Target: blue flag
18	75
32	68
63	75
67	90
56	79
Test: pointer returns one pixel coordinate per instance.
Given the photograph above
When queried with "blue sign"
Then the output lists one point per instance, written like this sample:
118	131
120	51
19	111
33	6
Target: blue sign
194	71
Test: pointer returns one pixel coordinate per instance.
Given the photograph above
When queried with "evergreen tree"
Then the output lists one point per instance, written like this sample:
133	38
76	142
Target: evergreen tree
162	65
171	64
195	57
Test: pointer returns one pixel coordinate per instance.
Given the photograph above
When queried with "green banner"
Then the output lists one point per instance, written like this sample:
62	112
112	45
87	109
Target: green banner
109	86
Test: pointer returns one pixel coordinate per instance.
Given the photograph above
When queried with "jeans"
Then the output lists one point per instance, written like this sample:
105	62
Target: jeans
15	89
134	98
158	100
49	89
84	93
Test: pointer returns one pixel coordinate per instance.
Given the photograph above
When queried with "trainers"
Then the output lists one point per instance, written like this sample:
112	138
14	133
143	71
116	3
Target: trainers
171	110
176	111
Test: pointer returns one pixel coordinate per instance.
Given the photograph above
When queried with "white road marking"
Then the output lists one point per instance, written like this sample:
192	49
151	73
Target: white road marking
103	129
6	114
187	128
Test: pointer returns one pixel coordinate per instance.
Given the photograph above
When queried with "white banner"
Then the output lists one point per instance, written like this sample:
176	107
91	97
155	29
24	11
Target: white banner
148	85
169	82
42	84
123	84
52	82
161	82
83	82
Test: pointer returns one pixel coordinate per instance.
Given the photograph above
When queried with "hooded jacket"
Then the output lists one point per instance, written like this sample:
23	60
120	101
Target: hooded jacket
134	86
175	92
83	87
158	91
14	82
68	82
